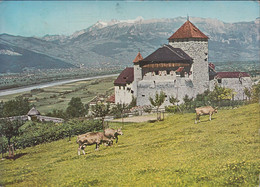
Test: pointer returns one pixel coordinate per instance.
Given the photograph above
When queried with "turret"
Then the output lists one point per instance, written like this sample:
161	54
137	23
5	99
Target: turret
193	42
137	72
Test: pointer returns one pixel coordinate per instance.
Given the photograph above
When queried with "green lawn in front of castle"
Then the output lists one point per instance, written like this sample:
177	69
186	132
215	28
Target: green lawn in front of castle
173	152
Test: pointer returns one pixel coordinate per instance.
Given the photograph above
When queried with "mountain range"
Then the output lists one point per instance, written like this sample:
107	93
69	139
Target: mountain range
116	43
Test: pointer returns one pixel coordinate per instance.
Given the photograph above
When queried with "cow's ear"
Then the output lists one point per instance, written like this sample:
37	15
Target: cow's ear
216	107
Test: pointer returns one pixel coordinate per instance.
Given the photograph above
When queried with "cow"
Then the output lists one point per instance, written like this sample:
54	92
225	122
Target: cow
92	138
206	110
112	133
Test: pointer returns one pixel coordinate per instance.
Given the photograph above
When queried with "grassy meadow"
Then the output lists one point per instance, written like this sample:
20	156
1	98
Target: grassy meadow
173	152
58	97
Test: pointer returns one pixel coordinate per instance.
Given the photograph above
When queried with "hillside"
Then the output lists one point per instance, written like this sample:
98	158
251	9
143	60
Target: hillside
116	43
16	60
174	152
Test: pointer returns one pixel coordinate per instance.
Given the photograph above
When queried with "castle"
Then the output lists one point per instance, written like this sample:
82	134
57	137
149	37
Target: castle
178	69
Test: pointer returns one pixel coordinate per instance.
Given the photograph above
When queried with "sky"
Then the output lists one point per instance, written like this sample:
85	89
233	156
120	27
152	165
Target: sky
39	18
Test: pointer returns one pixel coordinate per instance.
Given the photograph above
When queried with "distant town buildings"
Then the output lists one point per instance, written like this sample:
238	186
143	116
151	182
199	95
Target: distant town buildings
178	69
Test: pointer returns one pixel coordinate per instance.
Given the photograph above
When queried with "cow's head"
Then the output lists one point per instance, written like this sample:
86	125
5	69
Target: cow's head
216	110
119	131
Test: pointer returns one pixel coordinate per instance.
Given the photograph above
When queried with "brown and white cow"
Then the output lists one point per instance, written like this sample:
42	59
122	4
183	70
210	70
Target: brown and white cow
206	110
112	133
92	138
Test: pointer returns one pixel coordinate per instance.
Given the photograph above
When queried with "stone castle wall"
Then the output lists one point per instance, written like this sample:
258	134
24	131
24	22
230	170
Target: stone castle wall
178	88
236	84
123	94
198	50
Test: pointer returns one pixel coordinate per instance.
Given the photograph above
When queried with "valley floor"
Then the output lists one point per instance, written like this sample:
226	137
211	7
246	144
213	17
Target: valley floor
173	152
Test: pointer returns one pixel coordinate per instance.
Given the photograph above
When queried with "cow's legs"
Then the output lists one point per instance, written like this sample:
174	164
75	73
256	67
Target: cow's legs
209	116
116	138
79	150
197	118
81	147
83	151
97	146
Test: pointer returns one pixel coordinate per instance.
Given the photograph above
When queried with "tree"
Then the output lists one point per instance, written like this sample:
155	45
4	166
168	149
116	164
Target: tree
187	101
58	114
221	93
256	93
1	109
18	106
75	108
157	102
10	129
174	101
133	103
248	93
101	110
119	110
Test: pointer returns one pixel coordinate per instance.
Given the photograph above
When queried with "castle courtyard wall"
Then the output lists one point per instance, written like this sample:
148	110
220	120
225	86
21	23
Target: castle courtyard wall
236	84
178	88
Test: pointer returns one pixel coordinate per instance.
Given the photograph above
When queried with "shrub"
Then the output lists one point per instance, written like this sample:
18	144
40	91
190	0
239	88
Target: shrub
171	109
37	133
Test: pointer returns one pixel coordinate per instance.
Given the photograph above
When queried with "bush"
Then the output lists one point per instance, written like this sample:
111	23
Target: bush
37	133
171	109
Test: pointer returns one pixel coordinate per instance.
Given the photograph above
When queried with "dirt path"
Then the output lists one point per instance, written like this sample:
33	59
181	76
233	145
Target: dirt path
137	119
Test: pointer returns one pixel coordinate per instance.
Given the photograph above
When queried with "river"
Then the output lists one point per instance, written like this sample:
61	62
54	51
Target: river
44	85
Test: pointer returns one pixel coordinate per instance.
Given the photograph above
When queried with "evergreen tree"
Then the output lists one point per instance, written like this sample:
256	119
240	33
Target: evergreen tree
75	108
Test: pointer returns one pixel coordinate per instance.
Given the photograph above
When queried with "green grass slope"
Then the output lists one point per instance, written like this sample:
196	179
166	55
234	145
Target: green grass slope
174	152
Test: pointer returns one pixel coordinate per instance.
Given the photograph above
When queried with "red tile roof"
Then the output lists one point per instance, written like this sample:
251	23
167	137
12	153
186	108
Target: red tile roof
221	75
125	77
138	58
188	30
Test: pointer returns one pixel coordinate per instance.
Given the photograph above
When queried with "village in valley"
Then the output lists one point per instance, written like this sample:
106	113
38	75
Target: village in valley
170	119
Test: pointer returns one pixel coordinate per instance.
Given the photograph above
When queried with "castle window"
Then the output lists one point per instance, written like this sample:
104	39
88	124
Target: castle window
132	91
206	59
119	87
156	72
219	80
143	95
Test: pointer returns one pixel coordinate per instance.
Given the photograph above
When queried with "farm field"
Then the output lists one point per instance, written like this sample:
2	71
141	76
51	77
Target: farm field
173	152
58	97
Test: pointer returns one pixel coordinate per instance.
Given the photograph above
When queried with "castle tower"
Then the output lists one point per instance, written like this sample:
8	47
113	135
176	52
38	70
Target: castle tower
137	72
193	42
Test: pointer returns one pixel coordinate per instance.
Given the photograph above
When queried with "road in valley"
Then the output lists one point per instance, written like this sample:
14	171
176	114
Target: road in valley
44	85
